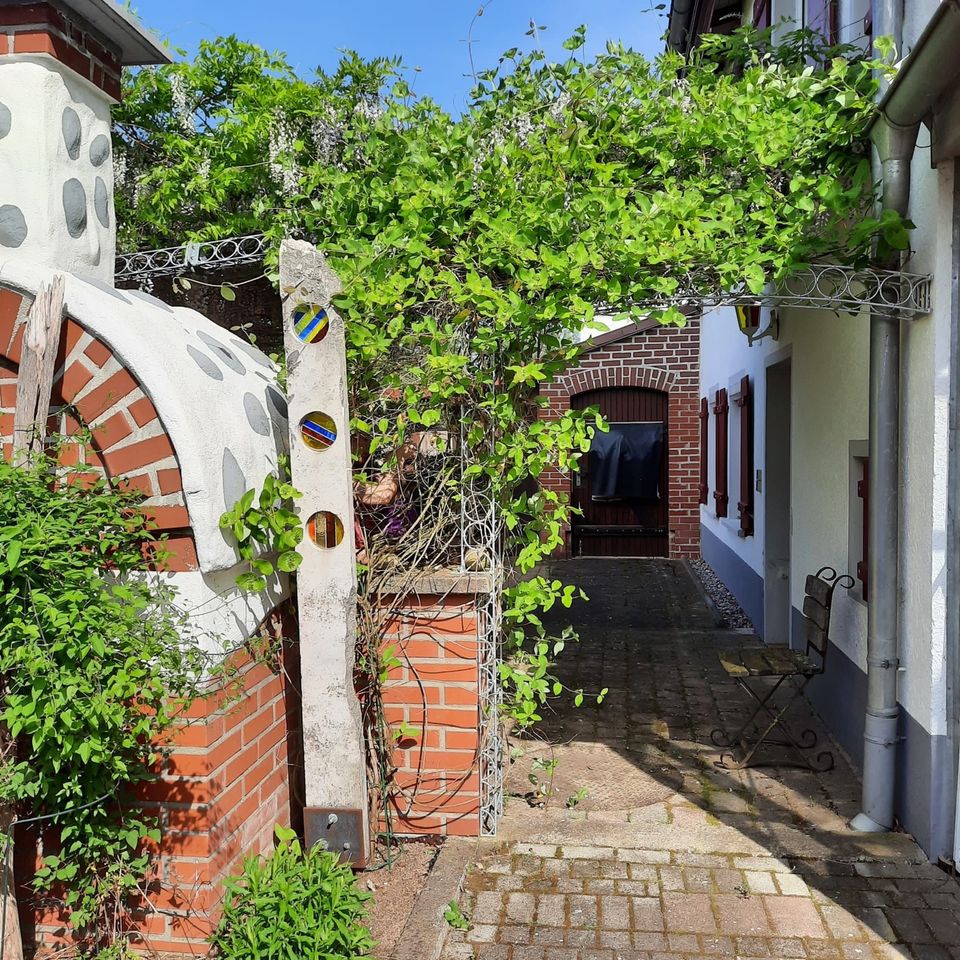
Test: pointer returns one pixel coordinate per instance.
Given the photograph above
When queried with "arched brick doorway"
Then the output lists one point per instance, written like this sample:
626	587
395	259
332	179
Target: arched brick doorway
628	527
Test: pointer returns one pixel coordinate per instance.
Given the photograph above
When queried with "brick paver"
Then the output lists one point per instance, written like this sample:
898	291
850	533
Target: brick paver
748	865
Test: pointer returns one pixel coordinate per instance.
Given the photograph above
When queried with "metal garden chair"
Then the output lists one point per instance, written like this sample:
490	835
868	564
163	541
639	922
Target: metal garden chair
791	670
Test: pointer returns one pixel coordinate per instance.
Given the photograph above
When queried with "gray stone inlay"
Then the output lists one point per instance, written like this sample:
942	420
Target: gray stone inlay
234	482
5	120
75	207
251	351
106	288
227	356
100	150
256	415
151	299
277	401
72	132
205	363
13	226
101	202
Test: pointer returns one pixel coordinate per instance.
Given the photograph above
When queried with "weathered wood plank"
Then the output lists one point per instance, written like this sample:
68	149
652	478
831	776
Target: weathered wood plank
815	611
818	589
731	665
813	635
782	660
756	662
35	378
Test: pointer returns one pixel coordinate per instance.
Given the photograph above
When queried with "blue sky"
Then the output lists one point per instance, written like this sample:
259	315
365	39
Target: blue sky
430	34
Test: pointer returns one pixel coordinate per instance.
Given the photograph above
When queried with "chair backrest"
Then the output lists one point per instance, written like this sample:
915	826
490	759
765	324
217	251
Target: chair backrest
817	604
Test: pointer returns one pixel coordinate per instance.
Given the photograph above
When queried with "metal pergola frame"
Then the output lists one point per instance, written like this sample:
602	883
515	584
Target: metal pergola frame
208	255
820	287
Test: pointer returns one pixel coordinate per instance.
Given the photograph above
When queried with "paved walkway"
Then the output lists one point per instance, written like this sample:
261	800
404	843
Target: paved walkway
669	855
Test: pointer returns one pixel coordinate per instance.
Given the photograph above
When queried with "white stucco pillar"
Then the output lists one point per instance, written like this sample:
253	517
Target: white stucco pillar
334	755
56	168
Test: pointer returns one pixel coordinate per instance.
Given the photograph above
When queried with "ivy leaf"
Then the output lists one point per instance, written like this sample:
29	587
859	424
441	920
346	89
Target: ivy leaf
289	561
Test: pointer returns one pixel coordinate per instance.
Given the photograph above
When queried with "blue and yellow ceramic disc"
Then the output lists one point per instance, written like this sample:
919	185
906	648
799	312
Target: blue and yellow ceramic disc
310	322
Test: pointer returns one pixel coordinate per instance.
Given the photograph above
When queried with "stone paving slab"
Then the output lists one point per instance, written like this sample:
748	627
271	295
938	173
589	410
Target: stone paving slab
744	864
540	902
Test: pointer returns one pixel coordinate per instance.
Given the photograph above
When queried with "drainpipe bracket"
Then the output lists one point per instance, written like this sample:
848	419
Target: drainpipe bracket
884	663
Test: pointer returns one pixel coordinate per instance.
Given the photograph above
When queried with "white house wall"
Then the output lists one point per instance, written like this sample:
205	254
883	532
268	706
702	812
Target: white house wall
829	357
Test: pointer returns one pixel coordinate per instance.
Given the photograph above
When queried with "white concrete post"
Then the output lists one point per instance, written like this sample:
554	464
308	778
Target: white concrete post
334	755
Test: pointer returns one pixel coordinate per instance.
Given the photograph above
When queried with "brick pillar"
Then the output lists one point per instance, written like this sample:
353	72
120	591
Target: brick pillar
435	692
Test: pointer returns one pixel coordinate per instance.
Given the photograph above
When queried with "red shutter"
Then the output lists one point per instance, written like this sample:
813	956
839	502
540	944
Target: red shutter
704	449
863	492
761	14
744	401
720	410
821	17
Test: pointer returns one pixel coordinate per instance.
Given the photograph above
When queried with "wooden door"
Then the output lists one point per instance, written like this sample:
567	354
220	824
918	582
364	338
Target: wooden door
625	528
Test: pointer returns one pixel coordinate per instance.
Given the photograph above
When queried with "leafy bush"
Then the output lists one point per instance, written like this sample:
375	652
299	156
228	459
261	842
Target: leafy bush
293	904
90	655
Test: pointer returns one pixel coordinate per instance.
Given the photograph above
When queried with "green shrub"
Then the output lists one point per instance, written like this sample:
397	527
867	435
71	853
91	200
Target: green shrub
293	904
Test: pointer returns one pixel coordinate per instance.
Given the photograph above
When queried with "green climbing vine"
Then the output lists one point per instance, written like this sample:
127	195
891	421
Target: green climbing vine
475	250
93	666
266	530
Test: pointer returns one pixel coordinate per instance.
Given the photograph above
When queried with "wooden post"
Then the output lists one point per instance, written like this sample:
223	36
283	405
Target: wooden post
35	380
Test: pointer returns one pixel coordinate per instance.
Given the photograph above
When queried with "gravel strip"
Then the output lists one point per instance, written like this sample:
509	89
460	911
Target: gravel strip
725	602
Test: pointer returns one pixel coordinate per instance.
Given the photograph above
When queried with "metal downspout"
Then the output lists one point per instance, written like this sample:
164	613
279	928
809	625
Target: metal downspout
895	146
953	517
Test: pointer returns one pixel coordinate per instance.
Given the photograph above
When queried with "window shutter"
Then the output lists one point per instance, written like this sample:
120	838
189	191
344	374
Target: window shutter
745	505
721	411
821	17
863	492
704	449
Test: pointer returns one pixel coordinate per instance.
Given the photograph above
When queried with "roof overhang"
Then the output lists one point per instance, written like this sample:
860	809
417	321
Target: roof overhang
137	45
926	88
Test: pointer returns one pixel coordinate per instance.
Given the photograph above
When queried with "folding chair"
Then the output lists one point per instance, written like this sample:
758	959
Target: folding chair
791	670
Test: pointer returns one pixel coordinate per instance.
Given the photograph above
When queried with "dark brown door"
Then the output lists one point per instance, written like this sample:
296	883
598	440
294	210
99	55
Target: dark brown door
623	528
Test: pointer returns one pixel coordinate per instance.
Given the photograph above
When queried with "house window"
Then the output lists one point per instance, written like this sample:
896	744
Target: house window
721	412
761	13
744	402
704	449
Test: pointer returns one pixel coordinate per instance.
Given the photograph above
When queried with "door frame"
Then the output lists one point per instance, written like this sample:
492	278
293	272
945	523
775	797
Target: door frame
777	509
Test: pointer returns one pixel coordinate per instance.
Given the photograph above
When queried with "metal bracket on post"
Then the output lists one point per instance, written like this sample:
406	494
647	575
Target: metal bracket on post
340	831
320	465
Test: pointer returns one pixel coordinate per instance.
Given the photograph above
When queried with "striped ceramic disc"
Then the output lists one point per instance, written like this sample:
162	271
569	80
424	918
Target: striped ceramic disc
310	322
325	529
318	430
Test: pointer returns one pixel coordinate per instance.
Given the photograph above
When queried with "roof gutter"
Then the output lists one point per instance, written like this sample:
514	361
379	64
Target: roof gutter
681	18
930	71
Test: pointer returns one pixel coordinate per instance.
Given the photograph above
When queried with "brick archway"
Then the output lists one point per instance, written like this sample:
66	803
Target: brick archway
100	397
653	357
584	379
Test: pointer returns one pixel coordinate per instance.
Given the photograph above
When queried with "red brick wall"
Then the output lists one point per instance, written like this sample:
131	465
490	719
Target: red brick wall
230	775
435	690
659	358
226	782
41	28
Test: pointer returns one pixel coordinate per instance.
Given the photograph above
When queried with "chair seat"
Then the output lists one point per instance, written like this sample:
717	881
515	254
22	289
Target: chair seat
772	661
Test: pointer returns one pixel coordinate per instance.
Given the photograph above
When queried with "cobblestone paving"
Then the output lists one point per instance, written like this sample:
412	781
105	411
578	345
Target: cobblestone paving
749	864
